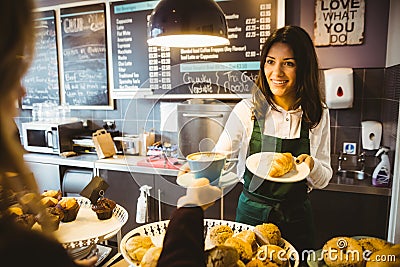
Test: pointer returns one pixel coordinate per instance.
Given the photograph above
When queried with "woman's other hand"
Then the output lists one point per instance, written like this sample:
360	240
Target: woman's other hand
201	194
307	159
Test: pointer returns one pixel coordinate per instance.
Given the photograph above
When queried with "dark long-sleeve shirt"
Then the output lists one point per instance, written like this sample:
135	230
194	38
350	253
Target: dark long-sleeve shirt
184	241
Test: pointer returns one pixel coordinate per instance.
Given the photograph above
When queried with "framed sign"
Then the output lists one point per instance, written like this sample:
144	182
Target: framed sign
339	22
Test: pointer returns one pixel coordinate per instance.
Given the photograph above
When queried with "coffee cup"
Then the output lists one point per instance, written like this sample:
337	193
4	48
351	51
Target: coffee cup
209	165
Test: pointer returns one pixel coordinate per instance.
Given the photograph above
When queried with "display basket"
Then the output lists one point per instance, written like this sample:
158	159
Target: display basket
157	230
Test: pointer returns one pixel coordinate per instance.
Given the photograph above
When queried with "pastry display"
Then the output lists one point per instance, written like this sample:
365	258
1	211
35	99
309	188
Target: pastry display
268	233
220	233
240	248
282	163
346	250
70	208
137	246
151	257
104	208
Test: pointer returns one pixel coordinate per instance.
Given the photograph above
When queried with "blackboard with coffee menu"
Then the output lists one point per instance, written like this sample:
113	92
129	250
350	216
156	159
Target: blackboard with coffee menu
42	80
84	51
221	70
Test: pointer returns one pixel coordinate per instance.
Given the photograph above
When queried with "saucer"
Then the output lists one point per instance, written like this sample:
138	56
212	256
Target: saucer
185	180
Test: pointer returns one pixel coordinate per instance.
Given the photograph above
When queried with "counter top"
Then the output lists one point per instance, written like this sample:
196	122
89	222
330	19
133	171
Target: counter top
351	185
129	164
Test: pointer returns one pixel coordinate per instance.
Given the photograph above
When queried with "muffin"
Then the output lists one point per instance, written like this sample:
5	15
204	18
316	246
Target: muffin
70	208
49	201
52	193
348	252
220	233
249	237
25	220
51	222
243	248
104	208
221	255
268	232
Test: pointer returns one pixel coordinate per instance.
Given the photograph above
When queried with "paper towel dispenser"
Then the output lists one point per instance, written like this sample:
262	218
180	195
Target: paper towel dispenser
339	89
74	180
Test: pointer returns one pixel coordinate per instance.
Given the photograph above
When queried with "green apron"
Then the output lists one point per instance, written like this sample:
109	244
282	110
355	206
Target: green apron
285	204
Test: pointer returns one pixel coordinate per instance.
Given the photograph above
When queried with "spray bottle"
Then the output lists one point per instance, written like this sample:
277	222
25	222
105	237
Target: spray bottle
141	207
381	174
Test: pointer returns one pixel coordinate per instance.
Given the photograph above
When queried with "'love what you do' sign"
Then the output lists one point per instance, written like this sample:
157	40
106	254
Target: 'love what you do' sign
339	22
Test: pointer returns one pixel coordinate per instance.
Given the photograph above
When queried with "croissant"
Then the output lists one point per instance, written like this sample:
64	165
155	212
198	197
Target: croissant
282	163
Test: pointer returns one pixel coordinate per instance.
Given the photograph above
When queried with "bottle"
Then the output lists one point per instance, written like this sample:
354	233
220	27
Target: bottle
141	207
381	174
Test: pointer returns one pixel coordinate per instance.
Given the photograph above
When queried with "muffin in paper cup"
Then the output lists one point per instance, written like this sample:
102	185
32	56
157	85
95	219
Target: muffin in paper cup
104	208
70	208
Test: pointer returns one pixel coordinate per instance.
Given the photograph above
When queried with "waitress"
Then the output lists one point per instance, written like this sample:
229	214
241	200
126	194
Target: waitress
285	114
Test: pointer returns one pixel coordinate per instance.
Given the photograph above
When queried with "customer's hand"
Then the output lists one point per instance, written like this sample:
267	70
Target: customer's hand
90	262
201	194
307	159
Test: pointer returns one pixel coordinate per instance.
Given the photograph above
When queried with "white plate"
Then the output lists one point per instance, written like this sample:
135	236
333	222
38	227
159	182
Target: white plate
185	180
260	163
157	230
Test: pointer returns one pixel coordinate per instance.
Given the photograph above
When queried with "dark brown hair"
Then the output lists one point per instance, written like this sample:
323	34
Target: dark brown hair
307	75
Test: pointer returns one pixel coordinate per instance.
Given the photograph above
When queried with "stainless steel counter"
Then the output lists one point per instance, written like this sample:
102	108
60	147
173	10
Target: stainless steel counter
129	164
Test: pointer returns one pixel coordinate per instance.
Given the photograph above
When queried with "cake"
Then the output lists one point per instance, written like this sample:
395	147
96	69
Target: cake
104	208
70	207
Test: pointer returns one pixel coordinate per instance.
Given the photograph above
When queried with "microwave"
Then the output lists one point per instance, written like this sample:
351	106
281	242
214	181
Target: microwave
50	137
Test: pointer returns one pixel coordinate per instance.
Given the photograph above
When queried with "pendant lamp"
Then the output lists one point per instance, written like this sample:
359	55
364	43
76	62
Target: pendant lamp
187	23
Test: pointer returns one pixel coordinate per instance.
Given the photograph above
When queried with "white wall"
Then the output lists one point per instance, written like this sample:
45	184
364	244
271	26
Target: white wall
393	51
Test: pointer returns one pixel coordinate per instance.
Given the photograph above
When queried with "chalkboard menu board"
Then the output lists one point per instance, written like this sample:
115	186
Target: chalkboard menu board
84	51
41	81
220	70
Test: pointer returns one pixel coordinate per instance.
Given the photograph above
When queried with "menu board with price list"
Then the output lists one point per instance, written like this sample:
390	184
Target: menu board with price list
41	81
219	70
84	50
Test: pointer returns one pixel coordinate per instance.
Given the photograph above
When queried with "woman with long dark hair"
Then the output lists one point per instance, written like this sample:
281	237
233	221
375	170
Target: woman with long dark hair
285	114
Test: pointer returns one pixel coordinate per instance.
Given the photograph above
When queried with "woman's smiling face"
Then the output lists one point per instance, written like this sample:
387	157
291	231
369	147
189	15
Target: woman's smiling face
280	71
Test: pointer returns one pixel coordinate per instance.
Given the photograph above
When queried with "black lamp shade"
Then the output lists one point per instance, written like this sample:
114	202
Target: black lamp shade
174	20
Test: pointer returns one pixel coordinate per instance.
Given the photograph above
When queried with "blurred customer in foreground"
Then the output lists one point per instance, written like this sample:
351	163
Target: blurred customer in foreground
19	245
184	241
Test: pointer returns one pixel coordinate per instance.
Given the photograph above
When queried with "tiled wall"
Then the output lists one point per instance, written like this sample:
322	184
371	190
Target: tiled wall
376	97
